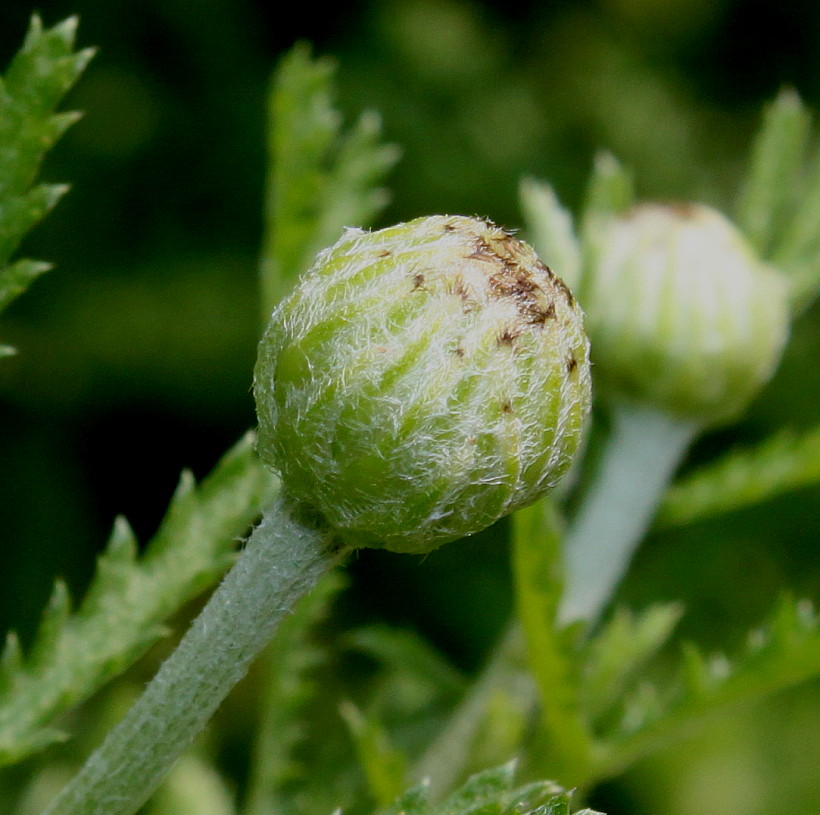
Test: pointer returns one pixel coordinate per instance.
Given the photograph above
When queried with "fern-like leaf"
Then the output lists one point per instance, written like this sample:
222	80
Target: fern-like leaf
124	610
384	765
616	654
610	191
491	792
797	252
744	477
550	229
782	653
779	203
38	77
776	158
320	179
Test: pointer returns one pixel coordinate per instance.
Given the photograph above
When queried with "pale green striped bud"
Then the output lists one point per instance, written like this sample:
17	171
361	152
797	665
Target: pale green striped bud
422	381
681	312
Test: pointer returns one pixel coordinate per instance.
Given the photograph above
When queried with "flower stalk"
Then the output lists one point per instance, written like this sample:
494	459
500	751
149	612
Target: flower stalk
640	457
283	559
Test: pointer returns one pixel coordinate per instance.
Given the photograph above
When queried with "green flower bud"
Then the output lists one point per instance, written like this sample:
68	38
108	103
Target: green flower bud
422	381
681	312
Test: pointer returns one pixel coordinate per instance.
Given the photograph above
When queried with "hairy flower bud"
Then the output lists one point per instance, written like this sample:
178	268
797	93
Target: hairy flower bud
422	381
681	312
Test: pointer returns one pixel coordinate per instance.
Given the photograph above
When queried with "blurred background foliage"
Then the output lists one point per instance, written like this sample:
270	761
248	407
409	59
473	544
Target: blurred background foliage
135	354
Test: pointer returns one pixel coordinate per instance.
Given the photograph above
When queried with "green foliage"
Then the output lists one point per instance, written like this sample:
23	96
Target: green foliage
743	478
617	654
550	229
536	563
605	699
35	82
775	160
578	704
321	179
384	765
491	792
128	601
412	688
781	653
491	720
779	205
610	191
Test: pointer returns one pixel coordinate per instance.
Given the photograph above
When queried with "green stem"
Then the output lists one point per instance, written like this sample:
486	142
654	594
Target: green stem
641	455
282	560
536	543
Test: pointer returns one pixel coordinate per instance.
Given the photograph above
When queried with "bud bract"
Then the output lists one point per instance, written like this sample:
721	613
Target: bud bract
422	381
681	312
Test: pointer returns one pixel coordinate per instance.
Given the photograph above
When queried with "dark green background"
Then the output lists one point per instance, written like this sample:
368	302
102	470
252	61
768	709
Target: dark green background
136	352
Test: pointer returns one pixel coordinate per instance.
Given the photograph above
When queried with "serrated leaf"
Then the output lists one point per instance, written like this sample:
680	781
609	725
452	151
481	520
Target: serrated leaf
320	180
77	653
352	195
694	672
532	796
39	75
557	806
53	622
384	765
782	653
20	213
409	656
610	191
17	277
183	510
32	742
800	260
490	792
616	653
776	156
744	477
550	230
11	661
115	567
416	801
482	792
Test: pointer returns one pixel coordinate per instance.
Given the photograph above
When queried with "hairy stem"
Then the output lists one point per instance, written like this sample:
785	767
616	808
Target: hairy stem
282	560
642	453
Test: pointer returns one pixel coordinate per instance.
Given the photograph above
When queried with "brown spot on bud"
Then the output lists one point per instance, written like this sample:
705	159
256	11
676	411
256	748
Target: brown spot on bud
557	282
508	336
572	363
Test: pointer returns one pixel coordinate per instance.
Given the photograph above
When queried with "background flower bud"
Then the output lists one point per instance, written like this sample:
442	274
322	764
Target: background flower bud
423	381
681	312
